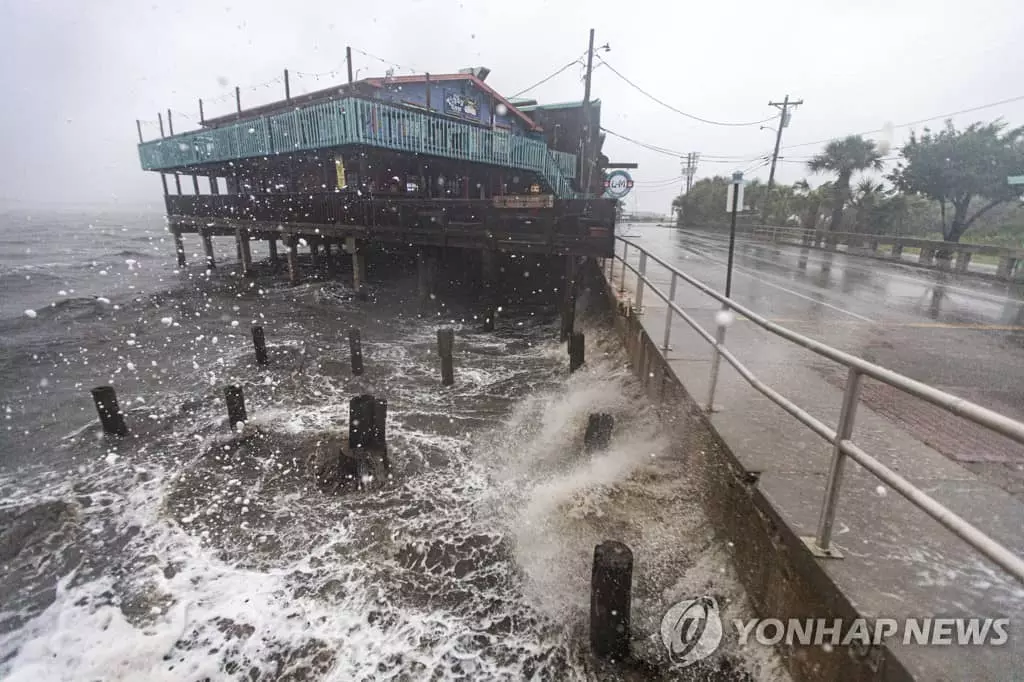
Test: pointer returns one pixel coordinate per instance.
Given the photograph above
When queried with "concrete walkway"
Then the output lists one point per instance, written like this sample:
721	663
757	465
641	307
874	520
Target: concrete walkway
898	562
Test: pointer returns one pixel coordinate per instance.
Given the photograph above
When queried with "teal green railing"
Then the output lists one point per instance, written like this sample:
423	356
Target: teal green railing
357	121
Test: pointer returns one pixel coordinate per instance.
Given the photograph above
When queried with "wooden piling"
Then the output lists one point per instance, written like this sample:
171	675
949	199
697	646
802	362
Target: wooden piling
599	432
367	422
235	400
576	346
208	248
259	344
293	260
179	248
355	345
445	346
568	318
272	248
244	252
610	600
110	413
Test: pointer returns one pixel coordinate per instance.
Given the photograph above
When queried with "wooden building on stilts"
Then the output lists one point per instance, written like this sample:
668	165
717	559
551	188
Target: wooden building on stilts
425	161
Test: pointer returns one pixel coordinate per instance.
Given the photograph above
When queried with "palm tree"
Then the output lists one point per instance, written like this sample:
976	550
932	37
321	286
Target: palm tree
844	158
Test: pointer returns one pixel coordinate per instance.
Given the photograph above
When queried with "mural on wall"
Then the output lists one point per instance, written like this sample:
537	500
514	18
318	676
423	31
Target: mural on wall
462	105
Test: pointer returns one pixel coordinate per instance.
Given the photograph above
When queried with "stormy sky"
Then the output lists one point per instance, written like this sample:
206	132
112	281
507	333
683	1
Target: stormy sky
76	75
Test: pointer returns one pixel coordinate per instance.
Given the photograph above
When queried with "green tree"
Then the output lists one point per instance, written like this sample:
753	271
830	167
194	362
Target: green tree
845	157
704	203
956	167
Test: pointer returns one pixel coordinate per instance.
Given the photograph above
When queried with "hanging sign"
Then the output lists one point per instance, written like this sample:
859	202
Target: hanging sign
617	184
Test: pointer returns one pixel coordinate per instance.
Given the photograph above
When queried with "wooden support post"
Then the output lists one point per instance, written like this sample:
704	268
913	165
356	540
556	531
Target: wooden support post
259	344
177	183
293	260
599	432
195	184
214	185
238	101
355	345
272	248
611	583
314	253
208	248
202	118
160	120
424	283
110	413
427	88
170	124
179	248
138	127
358	265
569	299
568	318
235	400
445	347
287	87
489	318
576	346
348	62
163	181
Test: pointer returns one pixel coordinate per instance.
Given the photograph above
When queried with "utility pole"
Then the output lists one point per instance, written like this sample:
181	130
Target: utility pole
587	133
783	106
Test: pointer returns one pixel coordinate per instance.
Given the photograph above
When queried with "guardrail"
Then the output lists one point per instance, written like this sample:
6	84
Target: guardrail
840	438
958	256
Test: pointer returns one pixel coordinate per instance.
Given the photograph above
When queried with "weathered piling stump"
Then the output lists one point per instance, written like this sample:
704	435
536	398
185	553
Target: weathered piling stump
362	462
355	344
259	344
110	413
445	346
576	346
610	599
235	400
599	432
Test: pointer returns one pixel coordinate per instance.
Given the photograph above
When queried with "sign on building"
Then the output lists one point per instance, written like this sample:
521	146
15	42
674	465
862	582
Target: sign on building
525	201
617	184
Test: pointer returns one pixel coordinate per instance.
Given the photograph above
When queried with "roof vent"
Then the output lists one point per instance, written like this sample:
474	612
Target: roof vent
481	72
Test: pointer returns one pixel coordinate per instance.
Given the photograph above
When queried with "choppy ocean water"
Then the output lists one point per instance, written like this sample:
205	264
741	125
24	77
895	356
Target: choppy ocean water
189	552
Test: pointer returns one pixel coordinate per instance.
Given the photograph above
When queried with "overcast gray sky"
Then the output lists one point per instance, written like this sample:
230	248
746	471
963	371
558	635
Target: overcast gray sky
76	75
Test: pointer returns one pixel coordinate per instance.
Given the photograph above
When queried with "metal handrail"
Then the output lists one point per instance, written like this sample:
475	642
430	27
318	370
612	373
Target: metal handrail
840	437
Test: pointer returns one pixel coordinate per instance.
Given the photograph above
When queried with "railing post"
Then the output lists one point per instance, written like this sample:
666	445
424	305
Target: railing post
716	359
668	314
625	252
640	283
823	539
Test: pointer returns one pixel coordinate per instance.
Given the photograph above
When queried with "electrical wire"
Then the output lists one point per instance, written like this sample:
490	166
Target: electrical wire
710	158
545	80
679	111
913	123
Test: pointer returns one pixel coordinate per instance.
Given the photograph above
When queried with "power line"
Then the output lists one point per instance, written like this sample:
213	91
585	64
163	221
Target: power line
679	111
912	123
545	80
710	158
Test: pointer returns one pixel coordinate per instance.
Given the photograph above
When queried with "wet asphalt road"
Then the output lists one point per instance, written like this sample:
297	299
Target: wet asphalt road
963	335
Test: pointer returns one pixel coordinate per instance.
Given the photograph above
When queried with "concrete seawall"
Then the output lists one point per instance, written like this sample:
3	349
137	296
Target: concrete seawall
781	578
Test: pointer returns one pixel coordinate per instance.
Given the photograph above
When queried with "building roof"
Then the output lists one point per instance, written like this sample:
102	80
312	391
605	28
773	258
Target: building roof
355	86
559	105
422	78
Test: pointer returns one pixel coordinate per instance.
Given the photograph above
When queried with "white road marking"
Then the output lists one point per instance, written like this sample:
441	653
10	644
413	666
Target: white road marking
790	291
927	283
